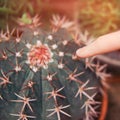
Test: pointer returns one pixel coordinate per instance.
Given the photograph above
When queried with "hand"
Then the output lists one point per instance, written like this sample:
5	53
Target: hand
104	44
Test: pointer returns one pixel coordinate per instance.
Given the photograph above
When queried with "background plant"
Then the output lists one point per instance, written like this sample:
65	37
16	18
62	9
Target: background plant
10	10
91	15
94	14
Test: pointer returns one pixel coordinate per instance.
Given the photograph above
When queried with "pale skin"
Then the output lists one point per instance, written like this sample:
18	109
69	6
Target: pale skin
103	44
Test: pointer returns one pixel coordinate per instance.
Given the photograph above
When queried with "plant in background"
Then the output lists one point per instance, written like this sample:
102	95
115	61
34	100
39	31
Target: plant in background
91	15
94	14
40	80
11	10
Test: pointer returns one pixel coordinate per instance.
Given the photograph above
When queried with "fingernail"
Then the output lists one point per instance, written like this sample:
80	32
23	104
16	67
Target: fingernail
75	57
78	53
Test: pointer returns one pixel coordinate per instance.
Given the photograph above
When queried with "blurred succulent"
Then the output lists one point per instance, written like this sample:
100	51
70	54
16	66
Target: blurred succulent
11	10
26	20
40	80
94	14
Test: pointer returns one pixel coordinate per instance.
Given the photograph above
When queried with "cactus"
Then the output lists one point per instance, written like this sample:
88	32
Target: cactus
41	80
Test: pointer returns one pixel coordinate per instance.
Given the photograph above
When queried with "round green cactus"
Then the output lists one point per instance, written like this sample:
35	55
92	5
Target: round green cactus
41	80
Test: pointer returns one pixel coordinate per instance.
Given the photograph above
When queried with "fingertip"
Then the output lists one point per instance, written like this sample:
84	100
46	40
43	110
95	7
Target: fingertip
84	52
79	53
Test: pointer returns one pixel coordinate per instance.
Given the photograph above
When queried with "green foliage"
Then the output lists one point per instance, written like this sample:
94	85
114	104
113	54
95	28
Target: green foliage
12	9
25	19
99	17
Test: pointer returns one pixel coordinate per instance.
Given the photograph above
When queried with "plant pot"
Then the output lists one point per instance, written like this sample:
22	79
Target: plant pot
104	105
112	60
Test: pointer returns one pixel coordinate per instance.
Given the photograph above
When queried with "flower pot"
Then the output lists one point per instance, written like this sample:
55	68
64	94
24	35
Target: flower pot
112	60
104	105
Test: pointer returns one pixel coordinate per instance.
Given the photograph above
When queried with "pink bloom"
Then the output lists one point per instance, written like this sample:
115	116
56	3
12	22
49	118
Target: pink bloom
39	56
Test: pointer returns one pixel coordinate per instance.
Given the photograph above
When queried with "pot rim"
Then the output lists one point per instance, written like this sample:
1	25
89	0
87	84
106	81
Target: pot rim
104	104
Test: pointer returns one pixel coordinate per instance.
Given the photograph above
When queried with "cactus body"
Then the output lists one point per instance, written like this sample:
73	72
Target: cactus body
40	80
